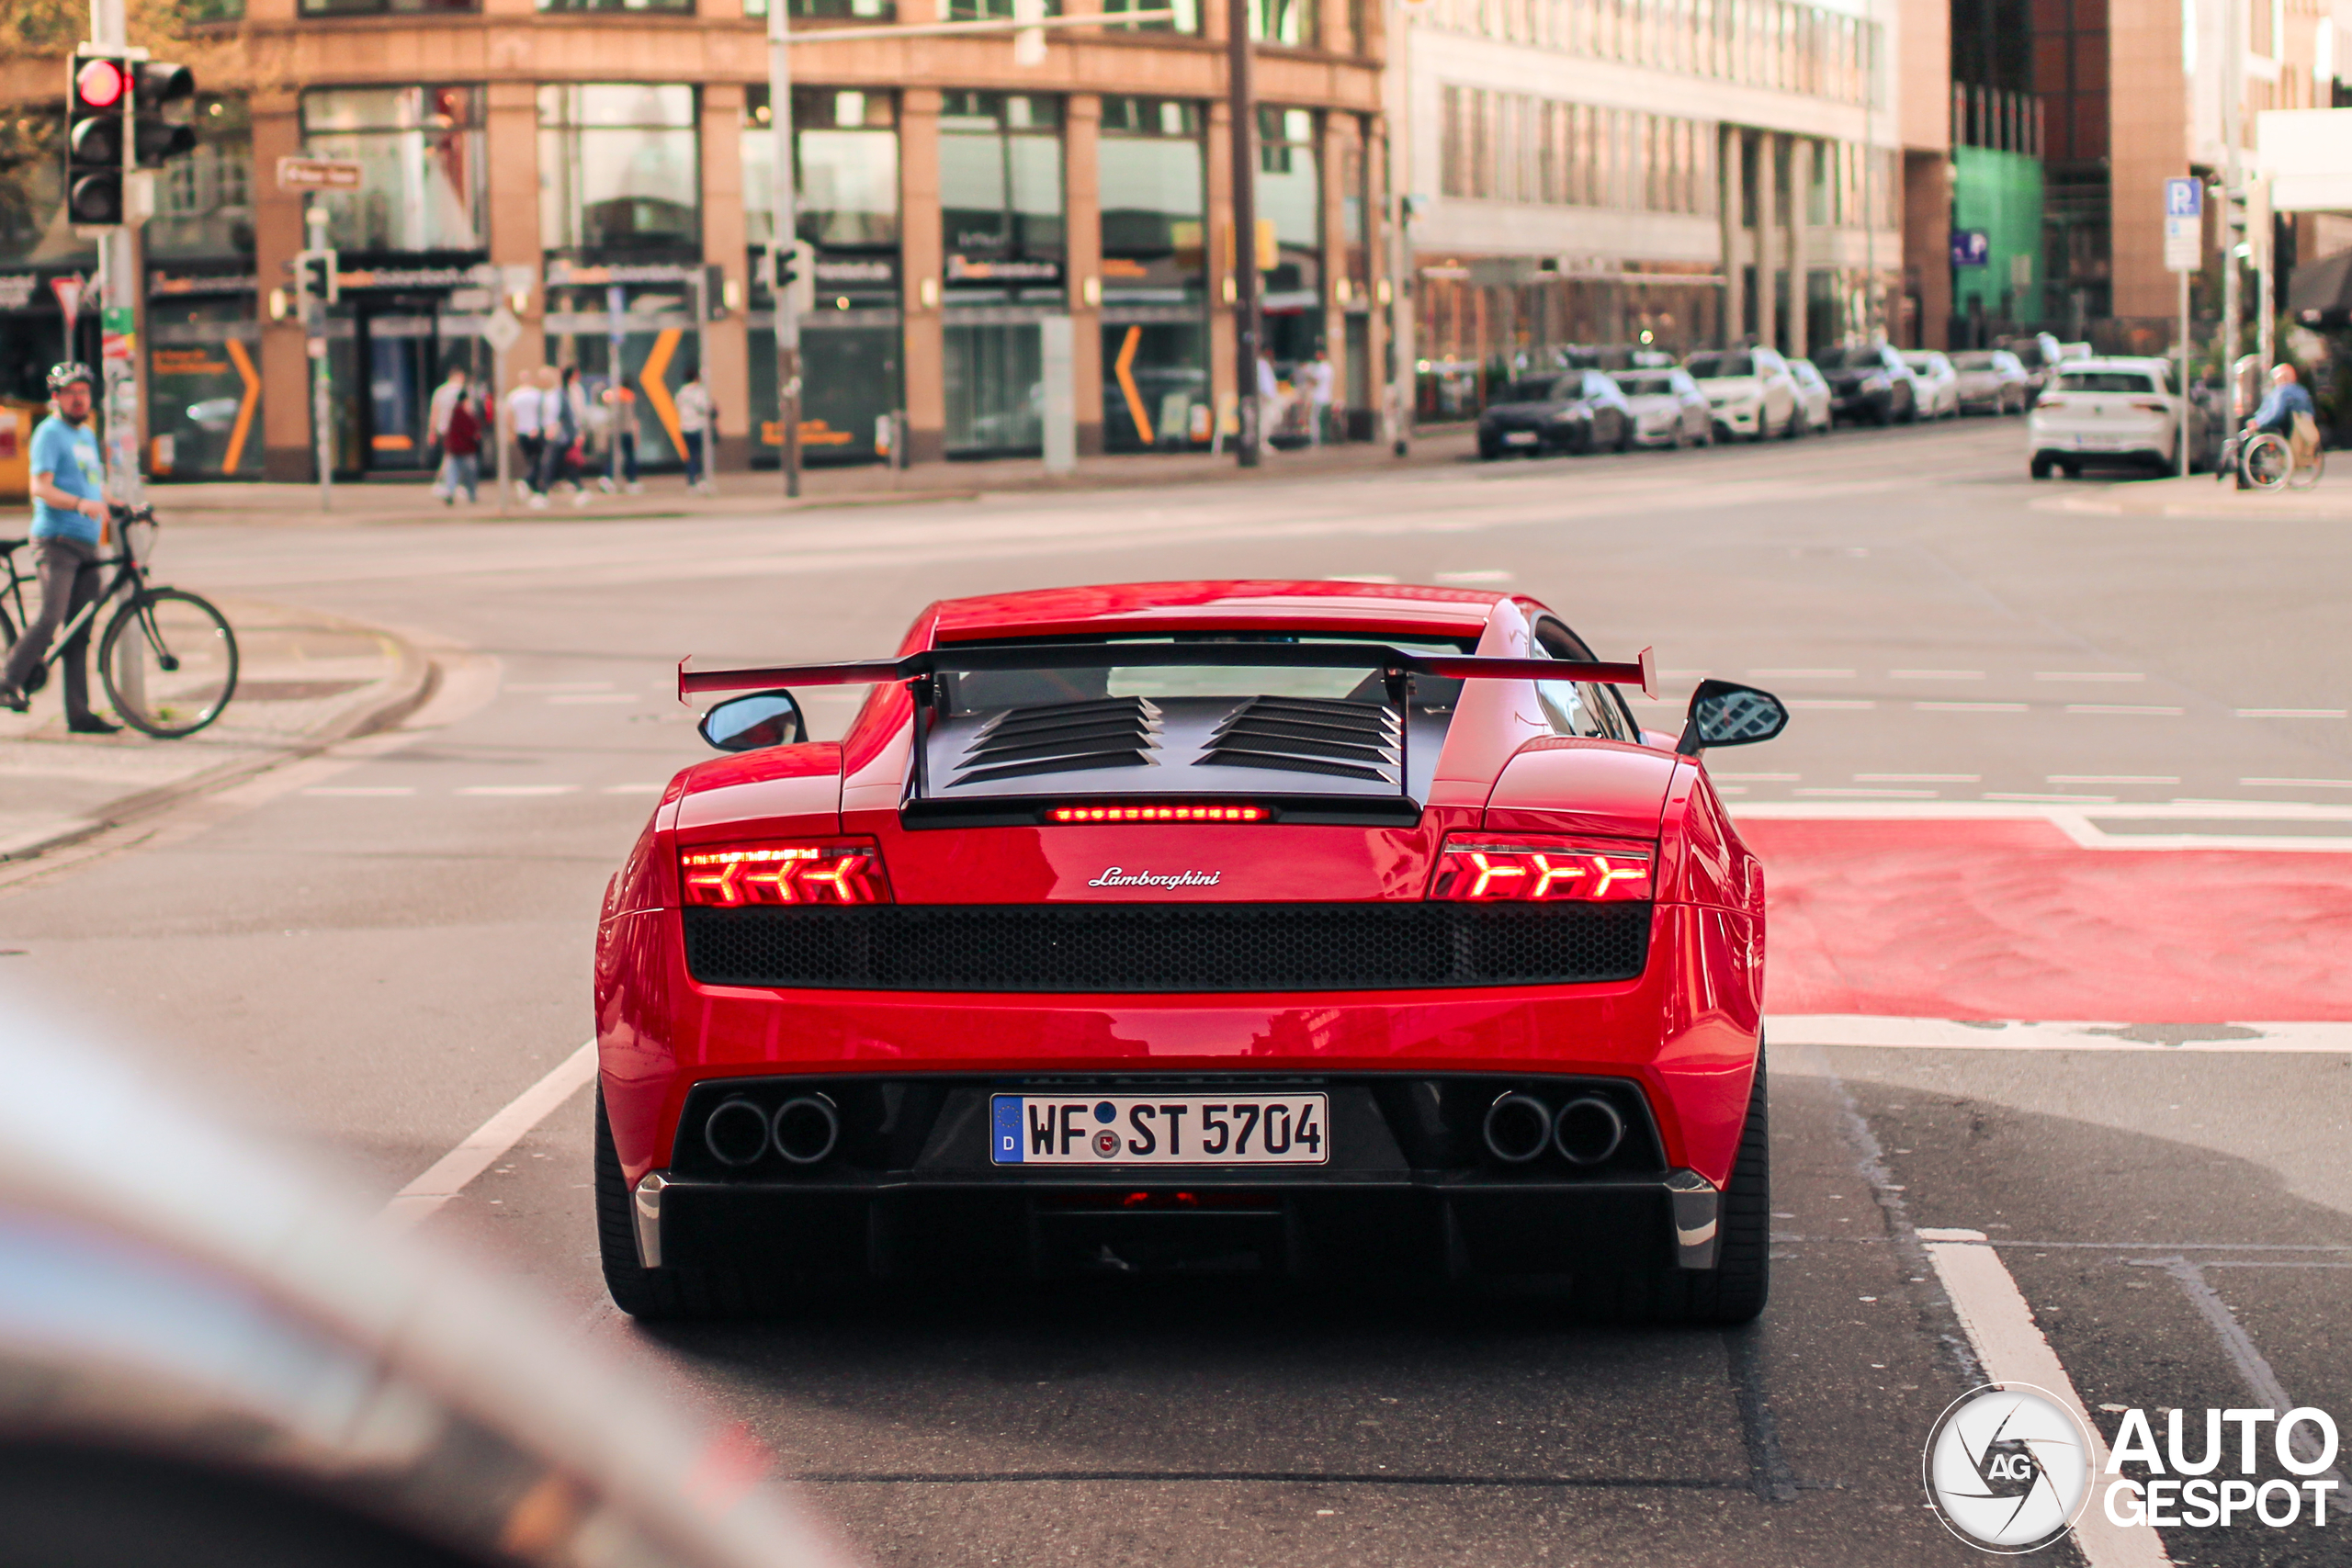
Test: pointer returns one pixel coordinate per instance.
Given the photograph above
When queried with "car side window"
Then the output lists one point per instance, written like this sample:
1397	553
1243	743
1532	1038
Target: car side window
1576	707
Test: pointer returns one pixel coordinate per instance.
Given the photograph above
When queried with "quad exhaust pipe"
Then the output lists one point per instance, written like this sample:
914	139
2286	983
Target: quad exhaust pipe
1586	1130
804	1130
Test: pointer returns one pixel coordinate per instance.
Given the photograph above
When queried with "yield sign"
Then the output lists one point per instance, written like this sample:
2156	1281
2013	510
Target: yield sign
68	290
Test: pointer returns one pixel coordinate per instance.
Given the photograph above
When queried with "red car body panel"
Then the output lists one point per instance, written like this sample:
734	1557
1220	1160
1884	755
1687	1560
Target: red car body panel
1686	1030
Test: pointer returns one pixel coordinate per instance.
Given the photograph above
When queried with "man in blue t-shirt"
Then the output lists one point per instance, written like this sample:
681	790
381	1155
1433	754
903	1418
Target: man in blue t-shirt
69	518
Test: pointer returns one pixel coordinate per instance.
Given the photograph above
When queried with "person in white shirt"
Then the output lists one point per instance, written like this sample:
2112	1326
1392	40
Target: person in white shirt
1315	379
523	417
697	422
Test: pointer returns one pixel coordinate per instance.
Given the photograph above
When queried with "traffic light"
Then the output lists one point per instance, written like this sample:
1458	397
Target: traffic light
796	276
162	96
98	95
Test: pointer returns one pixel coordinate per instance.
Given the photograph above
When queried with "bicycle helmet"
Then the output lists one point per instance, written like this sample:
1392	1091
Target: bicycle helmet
65	373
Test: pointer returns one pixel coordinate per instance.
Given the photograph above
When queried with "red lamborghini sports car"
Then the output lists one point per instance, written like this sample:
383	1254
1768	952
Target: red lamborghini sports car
1310	928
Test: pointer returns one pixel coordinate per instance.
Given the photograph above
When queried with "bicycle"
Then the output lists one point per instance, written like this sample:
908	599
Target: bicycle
2263	461
167	659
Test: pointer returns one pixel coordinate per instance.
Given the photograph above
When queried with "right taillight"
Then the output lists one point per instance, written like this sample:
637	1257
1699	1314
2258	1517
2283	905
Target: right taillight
774	875
1492	868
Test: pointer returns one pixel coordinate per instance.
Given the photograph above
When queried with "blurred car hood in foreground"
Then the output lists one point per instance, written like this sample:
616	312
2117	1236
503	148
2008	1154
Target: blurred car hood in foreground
189	1324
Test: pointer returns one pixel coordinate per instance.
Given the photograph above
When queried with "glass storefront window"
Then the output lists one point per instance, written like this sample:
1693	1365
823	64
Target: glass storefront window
1155	198
204	387
1001	179
1282	21
353	8
1187	19
1290	197
836	10
620	168
33	229
847	196
674	7
422	150
982	10
204	202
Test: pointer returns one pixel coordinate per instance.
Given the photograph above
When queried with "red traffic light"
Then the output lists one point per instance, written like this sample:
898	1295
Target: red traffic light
99	83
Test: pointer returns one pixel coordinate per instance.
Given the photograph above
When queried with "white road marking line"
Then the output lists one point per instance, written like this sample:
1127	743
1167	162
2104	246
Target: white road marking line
1470	577
1999	1323
1757	778
1869	793
448	1176
633	789
1897	1034
1919	778
1969	707
2052	799
1936	675
1800	674
2079	821
358	792
2110	779
575	698
1373	577
518	789
1829	703
2290	712
2087	675
2157	710
2296	784
559	686
2260	1381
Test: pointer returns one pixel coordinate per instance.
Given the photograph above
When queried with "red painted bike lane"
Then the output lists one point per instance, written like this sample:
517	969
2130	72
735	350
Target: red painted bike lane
2014	920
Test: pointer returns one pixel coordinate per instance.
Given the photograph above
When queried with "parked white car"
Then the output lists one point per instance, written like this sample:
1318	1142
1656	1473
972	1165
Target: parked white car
1938	383
1991	380
2112	413
1669	407
1750	390
1813	396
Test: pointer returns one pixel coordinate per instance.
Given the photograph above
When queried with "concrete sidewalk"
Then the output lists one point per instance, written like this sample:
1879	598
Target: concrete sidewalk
402	501
2201	495
305	682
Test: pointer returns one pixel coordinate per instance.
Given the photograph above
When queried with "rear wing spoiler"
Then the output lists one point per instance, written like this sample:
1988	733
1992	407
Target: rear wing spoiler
1395	663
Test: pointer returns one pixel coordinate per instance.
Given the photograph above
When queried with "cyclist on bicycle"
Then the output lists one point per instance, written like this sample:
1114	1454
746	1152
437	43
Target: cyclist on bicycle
70	504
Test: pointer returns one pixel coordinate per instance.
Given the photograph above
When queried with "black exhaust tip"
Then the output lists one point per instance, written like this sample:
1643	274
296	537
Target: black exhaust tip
737	1132
1518	1127
1587	1130
807	1127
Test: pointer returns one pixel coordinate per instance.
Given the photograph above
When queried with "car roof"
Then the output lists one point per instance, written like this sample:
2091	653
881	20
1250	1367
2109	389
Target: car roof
1242	605
2118	362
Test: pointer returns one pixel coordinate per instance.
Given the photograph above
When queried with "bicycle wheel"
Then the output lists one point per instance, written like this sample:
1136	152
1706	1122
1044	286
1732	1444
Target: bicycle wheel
169	663
2266	462
2307	475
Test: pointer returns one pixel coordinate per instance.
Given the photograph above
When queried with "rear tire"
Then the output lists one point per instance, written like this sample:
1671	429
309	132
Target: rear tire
1735	1290
657	1294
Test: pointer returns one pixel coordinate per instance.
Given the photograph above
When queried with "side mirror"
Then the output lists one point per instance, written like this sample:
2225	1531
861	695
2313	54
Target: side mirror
1724	713
749	723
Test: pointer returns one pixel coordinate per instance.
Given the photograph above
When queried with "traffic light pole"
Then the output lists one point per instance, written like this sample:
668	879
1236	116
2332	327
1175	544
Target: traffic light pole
1248	322
786	229
119	298
314	303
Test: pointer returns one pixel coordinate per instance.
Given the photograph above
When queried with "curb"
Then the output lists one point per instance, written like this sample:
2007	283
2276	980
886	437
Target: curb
413	685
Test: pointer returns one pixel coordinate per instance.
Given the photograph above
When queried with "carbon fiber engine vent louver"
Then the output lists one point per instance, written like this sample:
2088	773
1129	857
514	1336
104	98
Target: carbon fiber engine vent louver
1064	737
1300	735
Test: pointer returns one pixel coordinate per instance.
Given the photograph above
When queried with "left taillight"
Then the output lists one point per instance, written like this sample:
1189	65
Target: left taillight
783	873
1493	868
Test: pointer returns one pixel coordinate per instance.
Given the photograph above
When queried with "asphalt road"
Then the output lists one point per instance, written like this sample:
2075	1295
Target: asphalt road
1977	816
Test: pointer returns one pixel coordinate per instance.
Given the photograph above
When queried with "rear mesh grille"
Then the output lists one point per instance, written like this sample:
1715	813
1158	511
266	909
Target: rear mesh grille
1116	732
1159	948
1353	741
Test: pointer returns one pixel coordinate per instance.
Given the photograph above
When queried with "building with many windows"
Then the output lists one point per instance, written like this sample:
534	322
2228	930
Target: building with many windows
1665	173
607	164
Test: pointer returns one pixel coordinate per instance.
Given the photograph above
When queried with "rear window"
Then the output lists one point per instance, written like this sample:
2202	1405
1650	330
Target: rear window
1974	362
1707	365
2105	381
1533	390
1846	360
1644	385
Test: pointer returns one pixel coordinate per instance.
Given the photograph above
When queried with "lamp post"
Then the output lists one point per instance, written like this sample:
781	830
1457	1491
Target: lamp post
1241	90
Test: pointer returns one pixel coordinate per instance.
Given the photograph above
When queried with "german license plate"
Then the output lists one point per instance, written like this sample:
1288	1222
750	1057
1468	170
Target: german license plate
1519	439
1159	1129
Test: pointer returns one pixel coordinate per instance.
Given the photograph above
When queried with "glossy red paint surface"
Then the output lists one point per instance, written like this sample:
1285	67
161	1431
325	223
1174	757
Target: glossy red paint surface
1685	1028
